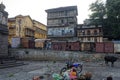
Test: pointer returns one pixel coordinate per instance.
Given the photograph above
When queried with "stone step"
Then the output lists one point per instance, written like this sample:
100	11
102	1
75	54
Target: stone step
11	64
9	61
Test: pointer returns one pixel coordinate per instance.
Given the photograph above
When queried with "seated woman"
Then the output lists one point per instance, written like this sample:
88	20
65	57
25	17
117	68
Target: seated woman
73	74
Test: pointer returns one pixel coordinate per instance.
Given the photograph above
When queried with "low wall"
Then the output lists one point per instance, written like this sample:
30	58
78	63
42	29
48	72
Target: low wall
36	54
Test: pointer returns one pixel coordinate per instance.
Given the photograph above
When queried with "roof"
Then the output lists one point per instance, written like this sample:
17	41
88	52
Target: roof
39	22
11	19
62	9
88	26
21	16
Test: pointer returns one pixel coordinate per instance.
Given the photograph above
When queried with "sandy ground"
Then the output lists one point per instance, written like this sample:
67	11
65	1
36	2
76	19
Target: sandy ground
46	68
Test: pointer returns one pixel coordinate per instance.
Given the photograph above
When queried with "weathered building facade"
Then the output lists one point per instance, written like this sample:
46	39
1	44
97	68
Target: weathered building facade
12	28
61	23
40	30
24	26
20	26
89	35
3	31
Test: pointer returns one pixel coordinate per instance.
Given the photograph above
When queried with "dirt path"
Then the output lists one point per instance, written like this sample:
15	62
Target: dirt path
37	68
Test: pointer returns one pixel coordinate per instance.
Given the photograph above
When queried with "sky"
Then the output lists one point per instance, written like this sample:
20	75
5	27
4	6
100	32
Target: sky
36	8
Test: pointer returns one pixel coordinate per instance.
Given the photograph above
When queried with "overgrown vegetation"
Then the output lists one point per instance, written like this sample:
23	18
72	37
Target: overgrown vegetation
108	15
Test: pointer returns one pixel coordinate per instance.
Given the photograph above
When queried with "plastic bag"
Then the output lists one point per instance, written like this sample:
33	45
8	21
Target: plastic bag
56	76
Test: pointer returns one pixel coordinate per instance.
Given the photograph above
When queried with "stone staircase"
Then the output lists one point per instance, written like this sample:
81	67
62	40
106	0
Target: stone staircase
8	62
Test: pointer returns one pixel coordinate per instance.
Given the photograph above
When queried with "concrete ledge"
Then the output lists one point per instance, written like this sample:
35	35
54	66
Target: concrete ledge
36	54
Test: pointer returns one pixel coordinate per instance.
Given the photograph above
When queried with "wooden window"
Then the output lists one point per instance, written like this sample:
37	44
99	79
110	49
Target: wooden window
88	38
95	32
88	32
95	39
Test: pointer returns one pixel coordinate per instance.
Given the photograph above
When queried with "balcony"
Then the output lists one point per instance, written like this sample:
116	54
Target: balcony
90	35
31	28
12	32
11	27
63	35
29	32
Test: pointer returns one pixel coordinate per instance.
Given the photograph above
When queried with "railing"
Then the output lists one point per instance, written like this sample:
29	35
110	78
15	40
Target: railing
65	35
11	27
97	34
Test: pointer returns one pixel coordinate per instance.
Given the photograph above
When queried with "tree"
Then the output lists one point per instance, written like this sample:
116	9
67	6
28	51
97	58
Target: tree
98	15
98	10
108	16
113	13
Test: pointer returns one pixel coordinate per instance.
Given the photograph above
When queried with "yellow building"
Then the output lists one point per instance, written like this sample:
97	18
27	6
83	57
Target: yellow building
40	30
11	28
20	26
